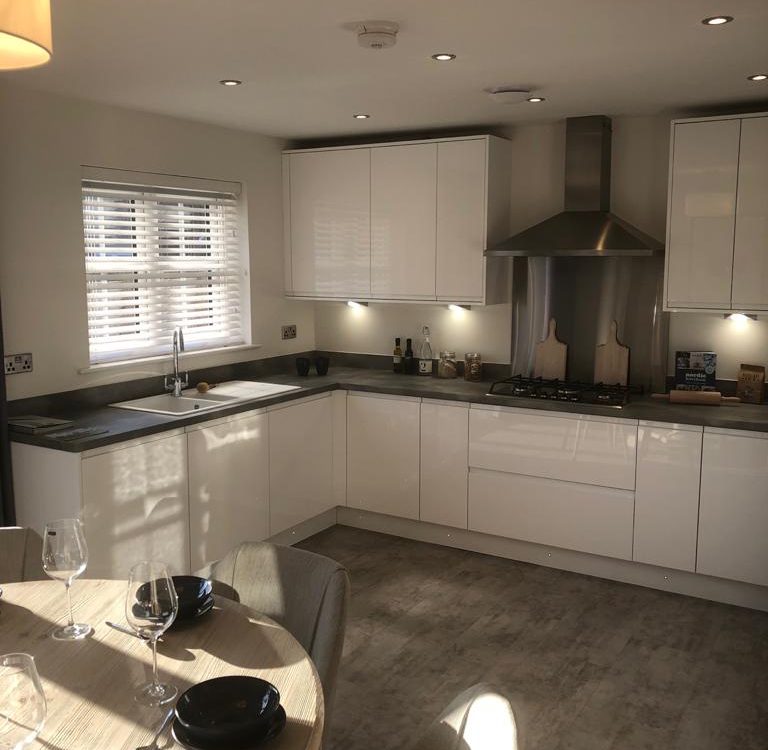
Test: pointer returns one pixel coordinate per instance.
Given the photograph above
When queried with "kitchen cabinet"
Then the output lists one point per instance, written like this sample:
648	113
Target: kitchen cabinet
430	209
135	506
228	485
444	463
328	232
383	454
574	516
750	256
300	461
667	495
717	218
403	221
733	514
568	447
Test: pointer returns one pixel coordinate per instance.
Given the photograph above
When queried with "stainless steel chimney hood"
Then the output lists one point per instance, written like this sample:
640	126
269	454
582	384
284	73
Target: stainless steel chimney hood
586	227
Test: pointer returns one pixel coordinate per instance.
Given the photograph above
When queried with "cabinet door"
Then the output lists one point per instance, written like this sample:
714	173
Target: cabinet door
702	211
461	220
403	197
383	454
330	240
750	256
300	462
667	496
444	463
135	507
733	514
228	486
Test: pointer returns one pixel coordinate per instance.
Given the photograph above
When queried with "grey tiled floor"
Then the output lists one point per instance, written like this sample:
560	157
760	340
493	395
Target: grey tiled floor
589	664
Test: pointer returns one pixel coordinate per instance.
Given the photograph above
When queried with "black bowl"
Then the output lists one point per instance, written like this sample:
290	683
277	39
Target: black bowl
274	726
192	592
233	709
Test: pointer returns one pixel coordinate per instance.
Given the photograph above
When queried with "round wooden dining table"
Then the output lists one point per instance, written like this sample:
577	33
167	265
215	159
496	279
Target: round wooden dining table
90	684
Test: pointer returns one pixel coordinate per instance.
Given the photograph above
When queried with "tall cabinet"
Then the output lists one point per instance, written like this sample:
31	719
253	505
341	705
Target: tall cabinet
717	218
398	221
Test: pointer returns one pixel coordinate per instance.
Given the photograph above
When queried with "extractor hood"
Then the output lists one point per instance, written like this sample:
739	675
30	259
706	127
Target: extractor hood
586	227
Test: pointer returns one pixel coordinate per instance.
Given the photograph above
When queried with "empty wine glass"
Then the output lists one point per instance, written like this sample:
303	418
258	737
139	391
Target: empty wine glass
65	556
22	701
151	605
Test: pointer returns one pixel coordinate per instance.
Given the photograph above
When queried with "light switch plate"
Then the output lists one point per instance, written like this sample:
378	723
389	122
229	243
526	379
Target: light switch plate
15	363
288	332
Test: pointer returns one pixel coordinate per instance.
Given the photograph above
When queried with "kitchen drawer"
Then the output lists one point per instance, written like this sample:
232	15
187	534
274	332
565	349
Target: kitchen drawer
574	516
572	448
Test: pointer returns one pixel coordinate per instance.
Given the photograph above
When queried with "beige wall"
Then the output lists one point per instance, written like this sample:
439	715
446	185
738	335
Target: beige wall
43	141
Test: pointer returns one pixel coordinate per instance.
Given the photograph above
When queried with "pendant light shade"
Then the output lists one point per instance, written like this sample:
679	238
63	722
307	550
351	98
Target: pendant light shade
25	33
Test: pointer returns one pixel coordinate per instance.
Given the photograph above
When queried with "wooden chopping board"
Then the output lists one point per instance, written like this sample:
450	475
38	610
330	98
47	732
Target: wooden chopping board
551	356
612	360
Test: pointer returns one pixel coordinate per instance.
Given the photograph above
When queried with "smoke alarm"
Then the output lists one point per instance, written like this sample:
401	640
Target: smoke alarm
508	94
377	34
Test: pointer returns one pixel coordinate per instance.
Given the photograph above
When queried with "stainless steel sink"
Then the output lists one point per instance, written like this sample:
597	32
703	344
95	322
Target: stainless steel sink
226	394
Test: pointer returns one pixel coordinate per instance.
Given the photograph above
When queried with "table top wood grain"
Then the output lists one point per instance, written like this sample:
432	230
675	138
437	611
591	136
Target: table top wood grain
90	684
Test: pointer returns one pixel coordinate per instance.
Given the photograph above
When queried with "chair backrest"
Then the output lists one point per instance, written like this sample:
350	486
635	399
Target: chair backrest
20	555
308	594
480	718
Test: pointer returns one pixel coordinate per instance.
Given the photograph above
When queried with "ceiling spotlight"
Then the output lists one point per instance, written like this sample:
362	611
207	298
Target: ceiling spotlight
535	99
758	77
361	116
443	56
230	82
716	20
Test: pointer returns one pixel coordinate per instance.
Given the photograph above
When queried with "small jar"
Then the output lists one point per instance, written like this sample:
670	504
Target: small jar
446	367
473	367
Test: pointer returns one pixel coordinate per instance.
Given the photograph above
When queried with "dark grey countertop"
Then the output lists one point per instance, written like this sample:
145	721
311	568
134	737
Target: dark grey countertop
124	424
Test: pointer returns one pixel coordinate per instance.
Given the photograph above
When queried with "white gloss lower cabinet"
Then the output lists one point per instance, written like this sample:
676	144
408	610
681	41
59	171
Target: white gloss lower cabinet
228	485
383	454
733	514
574	516
444	468
135	506
300	461
667	495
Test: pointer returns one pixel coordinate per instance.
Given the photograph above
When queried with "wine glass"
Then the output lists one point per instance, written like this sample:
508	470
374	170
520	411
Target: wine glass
22	701
151	605
65	555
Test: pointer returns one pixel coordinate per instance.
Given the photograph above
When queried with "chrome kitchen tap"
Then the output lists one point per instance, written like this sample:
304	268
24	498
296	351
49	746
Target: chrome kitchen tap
176	383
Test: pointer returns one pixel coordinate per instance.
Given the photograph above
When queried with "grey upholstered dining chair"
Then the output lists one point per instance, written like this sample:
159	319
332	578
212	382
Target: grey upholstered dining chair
20	555
308	594
480	718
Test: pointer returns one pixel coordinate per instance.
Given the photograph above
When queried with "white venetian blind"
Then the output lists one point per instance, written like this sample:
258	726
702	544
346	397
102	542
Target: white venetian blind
157	258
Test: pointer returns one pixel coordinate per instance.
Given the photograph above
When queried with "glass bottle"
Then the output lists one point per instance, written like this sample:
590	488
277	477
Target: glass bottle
408	358
425	355
397	357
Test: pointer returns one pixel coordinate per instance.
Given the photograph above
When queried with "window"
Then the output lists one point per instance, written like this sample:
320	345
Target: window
158	256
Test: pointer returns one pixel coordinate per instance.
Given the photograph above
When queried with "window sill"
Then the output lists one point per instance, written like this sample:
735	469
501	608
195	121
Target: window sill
127	364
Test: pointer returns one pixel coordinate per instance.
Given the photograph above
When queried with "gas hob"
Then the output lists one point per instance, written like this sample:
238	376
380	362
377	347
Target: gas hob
603	394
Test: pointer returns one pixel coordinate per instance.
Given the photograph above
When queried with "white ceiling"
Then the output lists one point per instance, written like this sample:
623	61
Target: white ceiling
305	74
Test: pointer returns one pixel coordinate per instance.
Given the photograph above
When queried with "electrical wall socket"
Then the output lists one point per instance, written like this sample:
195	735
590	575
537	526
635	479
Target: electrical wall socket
288	332
15	363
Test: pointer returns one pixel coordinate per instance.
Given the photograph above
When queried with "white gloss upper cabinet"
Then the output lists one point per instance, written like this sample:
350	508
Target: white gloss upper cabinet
327	223
444	466
432	208
300	461
383	454
403	221
667	495
701	213
228	485
750	255
733	514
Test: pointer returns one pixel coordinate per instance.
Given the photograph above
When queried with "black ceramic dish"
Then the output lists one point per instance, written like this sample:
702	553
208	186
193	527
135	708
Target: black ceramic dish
192	592
228	710
275	726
